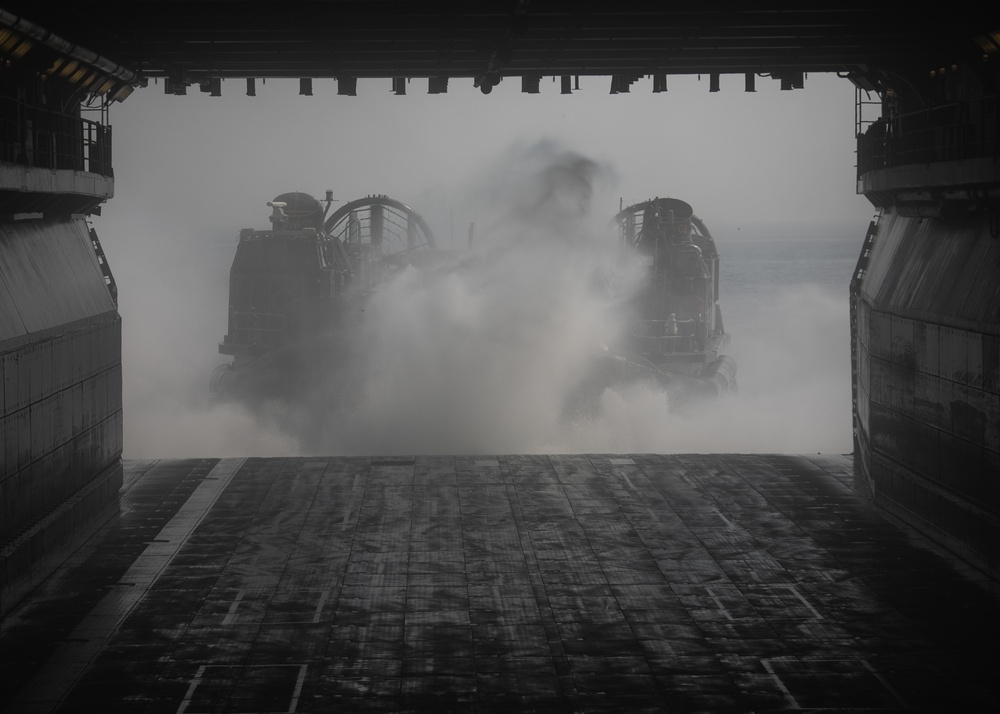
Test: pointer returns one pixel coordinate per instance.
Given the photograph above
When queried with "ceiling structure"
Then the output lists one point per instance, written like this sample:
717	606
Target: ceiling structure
190	43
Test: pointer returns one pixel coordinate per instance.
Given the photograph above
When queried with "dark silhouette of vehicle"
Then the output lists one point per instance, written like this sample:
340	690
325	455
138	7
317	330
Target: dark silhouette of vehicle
297	288
674	330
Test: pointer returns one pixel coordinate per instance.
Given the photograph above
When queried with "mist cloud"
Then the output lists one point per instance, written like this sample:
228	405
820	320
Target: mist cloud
485	357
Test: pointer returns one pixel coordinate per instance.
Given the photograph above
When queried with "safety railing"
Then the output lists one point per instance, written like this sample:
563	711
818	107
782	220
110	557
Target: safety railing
664	337
948	132
40	138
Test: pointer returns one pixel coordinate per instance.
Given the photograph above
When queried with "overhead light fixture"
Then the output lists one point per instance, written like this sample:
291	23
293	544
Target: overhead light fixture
713	82
790	80
437	85
659	83
567	84
89	79
750	80
68	68
530	83
121	92
399	86
215	86
486	82
305	86
347	86
621	84
251	87
174	85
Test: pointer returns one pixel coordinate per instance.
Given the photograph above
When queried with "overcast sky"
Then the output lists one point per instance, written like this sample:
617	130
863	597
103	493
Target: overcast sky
190	171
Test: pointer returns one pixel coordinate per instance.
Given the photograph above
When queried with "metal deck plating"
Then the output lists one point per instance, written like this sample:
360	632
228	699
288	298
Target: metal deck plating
639	583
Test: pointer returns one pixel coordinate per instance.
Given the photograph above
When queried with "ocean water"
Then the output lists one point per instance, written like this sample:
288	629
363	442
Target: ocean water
784	297
753	269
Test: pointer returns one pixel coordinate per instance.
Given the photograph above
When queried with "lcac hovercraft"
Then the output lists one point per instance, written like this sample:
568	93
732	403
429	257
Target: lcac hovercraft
673	323
296	290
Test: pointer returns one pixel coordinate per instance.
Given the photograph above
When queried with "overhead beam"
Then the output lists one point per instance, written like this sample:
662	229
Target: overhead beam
392	38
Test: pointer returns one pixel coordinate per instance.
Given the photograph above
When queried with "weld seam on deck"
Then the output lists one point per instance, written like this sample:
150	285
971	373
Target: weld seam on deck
54	680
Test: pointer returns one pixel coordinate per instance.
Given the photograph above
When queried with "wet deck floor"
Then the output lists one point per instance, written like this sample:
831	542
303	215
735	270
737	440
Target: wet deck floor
636	583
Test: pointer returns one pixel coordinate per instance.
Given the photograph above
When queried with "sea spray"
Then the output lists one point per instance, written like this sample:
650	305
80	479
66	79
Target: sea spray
484	357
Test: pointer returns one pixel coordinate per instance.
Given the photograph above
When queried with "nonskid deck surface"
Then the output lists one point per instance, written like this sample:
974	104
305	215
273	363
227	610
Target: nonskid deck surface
625	583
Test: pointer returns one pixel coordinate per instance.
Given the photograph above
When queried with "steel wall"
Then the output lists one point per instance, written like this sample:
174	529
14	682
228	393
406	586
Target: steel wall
60	397
928	376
